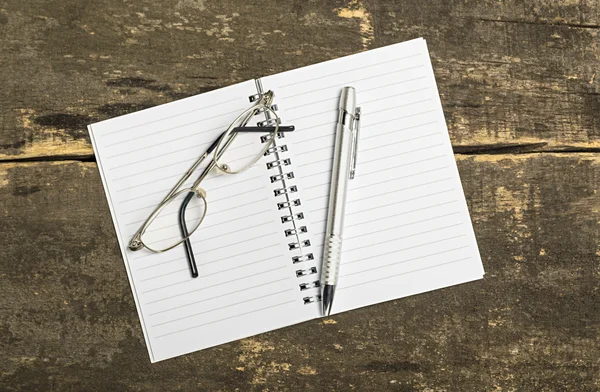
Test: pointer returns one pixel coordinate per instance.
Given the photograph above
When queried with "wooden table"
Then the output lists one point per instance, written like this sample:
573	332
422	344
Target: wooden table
521	92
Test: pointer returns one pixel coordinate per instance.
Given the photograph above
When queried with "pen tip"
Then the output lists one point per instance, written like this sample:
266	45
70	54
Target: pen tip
327	299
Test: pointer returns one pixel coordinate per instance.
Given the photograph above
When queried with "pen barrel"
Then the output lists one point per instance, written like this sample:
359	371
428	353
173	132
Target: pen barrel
337	199
332	253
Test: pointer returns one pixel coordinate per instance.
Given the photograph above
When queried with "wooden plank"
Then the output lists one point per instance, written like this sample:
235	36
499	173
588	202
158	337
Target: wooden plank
68	321
527	81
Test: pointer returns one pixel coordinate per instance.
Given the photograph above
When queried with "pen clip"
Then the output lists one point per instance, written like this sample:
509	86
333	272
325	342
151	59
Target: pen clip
355	137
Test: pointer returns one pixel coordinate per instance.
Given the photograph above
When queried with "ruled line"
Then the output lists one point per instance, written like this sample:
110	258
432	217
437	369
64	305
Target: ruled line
399	250
399	190
173	213
131	163
204	251
370	113
187	160
329	147
254	226
400	142
382	182
179	126
397	118
396	71
220	199
398	130
404	237
216	297
313	127
393	227
154	181
395	215
390	204
402	201
215	285
370	137
314	150
384	193
354	69
227	318
399	262
222	307
403	273
165	191
188	280
362	91
140	148
313	162
403	225
214	273
403	165
180	174
317	137
206	228
399	178
168	118
210	262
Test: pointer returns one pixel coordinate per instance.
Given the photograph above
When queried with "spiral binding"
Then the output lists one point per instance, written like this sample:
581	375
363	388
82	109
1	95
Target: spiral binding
286	190
288	204
279	177
279	162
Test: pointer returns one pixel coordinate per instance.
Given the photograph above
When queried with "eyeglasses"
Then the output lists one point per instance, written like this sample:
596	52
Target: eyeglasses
186	207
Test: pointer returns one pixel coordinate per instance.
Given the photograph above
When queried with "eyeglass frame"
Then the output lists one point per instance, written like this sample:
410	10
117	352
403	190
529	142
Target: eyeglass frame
262	104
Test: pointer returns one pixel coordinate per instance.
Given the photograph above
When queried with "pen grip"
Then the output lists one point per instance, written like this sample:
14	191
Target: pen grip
331	260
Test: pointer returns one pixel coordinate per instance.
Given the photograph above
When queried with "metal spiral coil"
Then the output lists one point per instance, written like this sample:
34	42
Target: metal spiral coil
298	245
299	230
300	259
275	149
283	191
293	217
305	272
271	122
279	162
311	299
281	177
288	204
310	285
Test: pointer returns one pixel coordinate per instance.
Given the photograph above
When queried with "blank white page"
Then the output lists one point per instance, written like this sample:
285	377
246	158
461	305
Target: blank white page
247	283
407	227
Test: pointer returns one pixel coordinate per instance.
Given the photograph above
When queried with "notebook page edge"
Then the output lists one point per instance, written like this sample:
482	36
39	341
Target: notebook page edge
465	206
138	308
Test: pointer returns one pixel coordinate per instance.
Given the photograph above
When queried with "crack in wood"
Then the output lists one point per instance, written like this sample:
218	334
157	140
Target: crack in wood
542	23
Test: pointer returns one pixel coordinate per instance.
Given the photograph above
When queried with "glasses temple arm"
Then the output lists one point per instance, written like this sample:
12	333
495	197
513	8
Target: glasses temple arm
189	253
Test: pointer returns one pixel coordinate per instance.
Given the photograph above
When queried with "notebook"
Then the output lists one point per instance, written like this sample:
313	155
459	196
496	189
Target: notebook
407	227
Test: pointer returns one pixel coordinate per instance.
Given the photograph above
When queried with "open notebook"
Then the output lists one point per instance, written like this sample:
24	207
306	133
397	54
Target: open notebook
407	227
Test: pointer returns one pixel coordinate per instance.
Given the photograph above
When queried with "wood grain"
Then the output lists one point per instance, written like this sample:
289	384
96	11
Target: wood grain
513	75
533	324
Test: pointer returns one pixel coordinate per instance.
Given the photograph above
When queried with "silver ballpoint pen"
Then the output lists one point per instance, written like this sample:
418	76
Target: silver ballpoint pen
343	170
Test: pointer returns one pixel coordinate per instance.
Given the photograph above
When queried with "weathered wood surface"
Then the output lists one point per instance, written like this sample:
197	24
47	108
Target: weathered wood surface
533	324
514	77
512	74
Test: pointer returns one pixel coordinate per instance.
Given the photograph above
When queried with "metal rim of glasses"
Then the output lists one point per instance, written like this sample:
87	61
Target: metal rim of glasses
227	137
199	192
223	167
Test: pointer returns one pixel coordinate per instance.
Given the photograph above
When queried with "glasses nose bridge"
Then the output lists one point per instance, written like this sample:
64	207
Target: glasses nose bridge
267	99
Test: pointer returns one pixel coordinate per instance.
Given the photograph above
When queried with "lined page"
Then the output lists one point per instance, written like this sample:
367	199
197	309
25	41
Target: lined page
407	227
247	283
